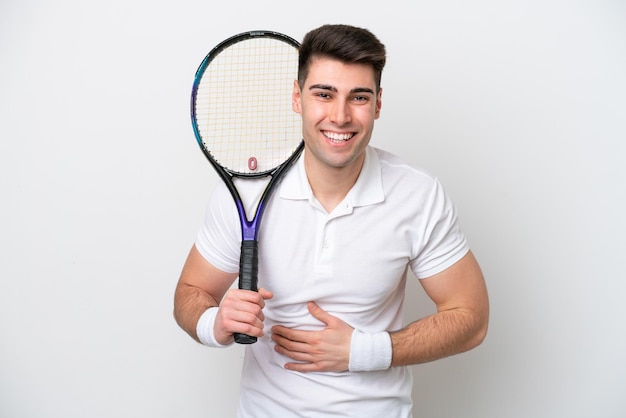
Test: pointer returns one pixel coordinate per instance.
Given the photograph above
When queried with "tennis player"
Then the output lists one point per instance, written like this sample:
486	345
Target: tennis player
337	240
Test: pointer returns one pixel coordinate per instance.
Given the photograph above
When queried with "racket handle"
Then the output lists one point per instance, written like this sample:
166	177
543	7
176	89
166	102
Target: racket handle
248	277
249	265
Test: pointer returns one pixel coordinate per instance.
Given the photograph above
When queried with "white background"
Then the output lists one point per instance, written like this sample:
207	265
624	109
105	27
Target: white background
518	106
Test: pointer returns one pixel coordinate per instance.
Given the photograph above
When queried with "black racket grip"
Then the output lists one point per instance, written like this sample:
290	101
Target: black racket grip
248	277
249	265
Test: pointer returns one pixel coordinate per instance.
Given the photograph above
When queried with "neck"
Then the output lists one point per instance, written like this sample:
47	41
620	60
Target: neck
330	185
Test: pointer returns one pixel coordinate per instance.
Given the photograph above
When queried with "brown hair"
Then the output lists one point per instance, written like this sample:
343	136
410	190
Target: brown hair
345	43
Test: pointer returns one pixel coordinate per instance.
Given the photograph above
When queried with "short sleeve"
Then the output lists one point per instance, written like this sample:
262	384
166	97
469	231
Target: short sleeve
218	239
443	241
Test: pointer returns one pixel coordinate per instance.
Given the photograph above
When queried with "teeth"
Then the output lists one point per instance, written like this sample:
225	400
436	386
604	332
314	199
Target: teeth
337	137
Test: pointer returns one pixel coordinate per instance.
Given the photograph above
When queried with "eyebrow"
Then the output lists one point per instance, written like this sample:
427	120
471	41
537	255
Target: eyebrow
334	89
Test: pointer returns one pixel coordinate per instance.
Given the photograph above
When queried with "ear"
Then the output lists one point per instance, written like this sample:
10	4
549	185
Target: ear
379	103
296	98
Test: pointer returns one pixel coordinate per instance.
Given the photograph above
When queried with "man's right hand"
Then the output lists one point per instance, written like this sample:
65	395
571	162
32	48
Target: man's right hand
240	311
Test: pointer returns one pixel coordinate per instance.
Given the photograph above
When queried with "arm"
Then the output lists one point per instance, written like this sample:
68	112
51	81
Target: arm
202	286
460	323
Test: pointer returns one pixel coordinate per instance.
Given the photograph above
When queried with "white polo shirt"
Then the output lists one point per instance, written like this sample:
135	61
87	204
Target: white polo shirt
352	262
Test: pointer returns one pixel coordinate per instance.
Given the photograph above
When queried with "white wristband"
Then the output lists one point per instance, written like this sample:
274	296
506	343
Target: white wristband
369	352
204	328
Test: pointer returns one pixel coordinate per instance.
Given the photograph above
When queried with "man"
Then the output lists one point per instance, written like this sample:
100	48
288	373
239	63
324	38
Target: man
337	238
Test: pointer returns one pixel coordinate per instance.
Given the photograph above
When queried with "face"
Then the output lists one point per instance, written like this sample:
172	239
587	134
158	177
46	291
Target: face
338	104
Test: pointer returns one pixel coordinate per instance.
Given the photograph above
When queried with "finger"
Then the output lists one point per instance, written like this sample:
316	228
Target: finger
246	300
304	367
295	351
243	306
242	295
233	319
265	294
280	338
319	313
286	335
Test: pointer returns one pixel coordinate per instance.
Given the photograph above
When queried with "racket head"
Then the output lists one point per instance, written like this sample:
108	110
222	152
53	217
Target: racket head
241	106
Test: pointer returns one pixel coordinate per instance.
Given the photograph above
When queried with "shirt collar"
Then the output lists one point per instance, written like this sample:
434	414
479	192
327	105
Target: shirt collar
368	189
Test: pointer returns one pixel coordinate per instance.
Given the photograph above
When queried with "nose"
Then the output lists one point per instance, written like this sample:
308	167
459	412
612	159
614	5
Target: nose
340	113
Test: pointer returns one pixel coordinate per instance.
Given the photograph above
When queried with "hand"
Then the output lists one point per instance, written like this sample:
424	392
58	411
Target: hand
240	311
327	350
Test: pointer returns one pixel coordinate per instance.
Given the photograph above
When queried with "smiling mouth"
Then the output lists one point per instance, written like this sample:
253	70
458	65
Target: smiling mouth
338	137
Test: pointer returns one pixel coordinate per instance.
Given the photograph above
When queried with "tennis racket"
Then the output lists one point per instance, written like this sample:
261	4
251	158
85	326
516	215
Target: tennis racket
244	123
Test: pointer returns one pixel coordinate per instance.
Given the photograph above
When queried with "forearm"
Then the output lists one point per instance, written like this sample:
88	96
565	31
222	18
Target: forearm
200	287
189	304
440	335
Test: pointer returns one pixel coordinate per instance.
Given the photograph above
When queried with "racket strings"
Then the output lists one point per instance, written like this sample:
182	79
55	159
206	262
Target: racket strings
243	105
